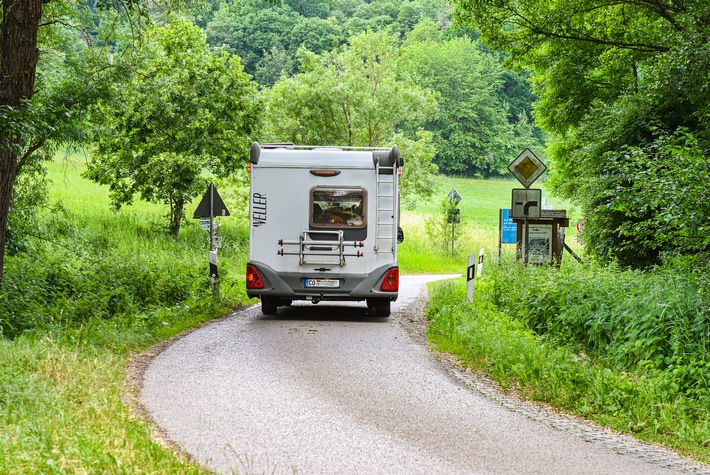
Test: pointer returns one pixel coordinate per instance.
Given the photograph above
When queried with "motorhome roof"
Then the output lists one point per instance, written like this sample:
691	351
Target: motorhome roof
290	155
291	145
283	158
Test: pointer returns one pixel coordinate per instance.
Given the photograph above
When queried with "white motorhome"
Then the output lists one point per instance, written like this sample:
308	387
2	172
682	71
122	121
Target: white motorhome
324	225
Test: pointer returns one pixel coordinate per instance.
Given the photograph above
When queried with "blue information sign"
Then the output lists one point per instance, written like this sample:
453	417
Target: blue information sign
509	231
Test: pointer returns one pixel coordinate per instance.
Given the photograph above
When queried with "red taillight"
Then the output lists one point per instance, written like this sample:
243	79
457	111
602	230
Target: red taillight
248	168
254	280
391	281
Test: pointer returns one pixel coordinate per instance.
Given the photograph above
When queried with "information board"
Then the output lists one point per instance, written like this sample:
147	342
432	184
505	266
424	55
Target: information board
509	230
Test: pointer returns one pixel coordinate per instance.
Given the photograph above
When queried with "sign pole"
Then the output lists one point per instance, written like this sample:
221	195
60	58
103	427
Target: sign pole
206	209
525	241
214	273
500	235
211	217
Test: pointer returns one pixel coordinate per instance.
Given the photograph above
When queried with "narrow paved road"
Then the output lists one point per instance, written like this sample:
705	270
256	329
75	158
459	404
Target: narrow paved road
327	390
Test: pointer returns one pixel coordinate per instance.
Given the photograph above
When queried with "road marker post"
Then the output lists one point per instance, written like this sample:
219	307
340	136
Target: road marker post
479	271
470	276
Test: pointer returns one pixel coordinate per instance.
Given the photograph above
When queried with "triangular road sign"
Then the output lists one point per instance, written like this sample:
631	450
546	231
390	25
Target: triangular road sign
213	198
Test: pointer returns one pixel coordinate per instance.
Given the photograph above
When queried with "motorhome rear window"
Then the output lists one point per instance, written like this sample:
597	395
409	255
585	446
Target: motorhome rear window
338	208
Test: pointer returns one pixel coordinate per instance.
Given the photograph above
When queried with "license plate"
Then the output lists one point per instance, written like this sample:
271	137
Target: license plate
323	283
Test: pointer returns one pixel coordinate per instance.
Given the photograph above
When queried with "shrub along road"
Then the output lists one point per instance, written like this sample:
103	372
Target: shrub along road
326	389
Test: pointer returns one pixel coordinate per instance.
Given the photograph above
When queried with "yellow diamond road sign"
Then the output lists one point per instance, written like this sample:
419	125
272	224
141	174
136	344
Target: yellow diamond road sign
527	168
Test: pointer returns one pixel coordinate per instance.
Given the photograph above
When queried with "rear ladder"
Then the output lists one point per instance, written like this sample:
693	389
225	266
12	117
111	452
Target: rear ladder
386	222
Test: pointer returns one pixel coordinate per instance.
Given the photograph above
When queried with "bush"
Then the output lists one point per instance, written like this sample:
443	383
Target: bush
624	318
104	270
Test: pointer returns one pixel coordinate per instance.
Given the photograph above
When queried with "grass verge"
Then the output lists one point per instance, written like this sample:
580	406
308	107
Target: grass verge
635	382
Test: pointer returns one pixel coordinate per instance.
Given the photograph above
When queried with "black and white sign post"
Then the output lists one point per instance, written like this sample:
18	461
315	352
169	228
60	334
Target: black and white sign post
472	272
471	277
210	206
526	203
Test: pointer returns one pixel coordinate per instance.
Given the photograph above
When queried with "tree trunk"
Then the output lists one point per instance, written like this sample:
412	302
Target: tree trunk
8	172
18	64
176	218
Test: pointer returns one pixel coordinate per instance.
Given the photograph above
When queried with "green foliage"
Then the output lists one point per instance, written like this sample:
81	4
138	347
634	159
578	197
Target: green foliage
250	29
485	111
661	190
63	412
623	318
348	98
612	78
419	176
90	271
253	29
441	227
624	348
473	133
186	109
90	289
355	98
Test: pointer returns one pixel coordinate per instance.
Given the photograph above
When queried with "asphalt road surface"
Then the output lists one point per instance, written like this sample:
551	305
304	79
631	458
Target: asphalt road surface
326	389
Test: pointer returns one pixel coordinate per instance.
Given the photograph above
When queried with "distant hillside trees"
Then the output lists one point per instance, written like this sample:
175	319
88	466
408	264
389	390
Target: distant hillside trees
476	132
356	98
485	116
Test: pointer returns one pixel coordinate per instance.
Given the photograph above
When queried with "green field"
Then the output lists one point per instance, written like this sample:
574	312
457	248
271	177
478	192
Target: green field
479	228
483	198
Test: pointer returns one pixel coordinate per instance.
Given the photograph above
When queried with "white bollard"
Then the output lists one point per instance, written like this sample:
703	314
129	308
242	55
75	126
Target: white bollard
470	275
480	263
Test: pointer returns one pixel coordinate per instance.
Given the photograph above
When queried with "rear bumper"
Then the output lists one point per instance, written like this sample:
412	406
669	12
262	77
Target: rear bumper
292	286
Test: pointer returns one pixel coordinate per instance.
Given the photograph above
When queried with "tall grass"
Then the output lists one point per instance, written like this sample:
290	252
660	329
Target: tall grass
91	287
61	411
626	349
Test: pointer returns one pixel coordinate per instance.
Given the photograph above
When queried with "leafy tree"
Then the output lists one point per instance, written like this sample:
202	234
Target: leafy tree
612	77
348	98
311	8
345	9
472	133
44	96
420	177
251	29
273	65
186	109
354	98
660	189
424	31
412	12
317	35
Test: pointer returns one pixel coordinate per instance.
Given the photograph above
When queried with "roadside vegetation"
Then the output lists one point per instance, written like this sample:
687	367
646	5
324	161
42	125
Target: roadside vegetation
167	96
626	349
92	288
